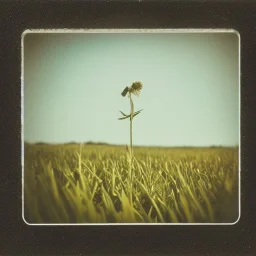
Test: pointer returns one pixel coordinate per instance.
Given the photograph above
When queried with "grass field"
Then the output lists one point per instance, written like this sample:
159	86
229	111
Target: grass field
97	184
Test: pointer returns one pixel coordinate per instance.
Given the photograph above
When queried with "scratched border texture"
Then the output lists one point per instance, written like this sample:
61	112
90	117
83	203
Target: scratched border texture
17	238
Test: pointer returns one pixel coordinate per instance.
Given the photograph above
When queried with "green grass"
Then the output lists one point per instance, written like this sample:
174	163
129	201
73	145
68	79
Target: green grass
170	185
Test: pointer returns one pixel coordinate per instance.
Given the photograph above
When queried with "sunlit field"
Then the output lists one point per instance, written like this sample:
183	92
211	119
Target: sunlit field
95	184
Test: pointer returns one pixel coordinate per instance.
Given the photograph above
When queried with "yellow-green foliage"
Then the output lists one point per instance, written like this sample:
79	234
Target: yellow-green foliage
92	184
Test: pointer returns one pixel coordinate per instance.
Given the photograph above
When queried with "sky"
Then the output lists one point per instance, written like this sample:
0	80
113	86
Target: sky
73	82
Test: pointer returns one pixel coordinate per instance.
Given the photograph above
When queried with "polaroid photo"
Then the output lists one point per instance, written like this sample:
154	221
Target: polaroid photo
130	127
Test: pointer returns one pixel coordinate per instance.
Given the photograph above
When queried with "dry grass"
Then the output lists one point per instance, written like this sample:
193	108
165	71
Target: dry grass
67	184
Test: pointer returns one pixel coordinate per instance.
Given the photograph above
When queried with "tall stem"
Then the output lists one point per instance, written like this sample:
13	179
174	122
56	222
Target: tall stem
132	113
131	151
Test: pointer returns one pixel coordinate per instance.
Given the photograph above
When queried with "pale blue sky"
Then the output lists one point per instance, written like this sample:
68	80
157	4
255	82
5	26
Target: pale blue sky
73	84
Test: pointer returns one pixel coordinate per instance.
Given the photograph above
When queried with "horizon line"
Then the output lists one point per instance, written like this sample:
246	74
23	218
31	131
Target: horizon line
100	143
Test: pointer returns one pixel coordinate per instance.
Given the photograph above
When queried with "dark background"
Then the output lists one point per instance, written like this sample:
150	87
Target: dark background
16	238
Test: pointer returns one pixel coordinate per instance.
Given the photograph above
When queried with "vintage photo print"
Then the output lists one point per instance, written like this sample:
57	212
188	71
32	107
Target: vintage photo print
131	126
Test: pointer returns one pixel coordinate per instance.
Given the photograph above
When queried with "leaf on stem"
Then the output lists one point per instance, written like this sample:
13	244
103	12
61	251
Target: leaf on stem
137	112
124	117
127	116
123	113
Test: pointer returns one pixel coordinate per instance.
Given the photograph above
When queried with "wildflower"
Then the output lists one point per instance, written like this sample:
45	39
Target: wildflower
135	88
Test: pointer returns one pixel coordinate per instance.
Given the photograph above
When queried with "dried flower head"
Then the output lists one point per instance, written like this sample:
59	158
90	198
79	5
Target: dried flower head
136	88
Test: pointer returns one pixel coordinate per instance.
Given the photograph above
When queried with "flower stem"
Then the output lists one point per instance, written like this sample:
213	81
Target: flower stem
131	151
131	118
